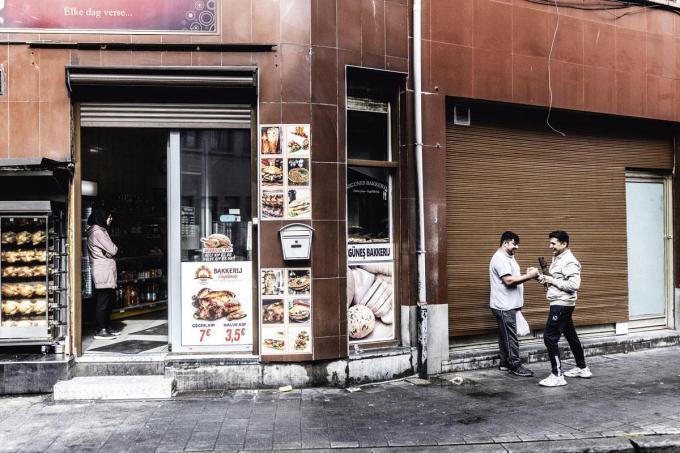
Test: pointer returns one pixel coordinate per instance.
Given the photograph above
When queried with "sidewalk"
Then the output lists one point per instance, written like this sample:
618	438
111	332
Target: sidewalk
632	400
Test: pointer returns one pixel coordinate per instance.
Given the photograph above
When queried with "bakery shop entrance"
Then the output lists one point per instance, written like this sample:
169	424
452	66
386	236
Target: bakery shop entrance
124	260
180	235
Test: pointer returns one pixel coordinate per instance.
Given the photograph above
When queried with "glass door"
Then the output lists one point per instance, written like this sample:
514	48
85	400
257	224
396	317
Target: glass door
211	265
649	249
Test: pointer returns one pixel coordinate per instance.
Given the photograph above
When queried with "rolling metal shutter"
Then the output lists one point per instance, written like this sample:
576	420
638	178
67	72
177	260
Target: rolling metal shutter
176	116
164	97
505	174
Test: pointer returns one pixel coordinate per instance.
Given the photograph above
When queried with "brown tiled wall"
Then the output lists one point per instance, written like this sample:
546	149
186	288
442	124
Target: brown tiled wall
301	82
343	32
497	50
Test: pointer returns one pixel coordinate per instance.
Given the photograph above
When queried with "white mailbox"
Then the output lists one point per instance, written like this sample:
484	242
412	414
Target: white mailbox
296	241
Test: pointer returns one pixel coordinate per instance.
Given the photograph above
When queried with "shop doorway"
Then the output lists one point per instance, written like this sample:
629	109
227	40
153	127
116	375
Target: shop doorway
124	171
649	249
182	206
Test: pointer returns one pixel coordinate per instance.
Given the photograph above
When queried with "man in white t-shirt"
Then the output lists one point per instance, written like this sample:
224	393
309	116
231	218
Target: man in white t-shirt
507	298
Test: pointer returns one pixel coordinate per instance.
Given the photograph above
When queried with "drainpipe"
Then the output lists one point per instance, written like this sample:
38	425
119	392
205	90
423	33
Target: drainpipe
421	308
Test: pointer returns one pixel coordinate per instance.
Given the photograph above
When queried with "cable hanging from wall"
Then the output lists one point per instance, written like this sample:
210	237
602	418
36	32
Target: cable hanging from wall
597	5
608	5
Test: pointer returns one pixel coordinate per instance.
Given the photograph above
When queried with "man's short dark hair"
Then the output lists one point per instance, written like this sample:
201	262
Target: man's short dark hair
560	235
509	236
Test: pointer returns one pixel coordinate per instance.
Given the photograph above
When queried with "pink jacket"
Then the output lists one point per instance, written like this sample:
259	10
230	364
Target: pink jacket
101	249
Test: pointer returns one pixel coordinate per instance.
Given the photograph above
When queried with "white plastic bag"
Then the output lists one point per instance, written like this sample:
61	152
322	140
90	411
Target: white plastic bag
522	325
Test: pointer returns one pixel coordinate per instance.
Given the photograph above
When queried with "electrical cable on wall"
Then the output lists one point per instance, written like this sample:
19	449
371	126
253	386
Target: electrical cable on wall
605	5
550	91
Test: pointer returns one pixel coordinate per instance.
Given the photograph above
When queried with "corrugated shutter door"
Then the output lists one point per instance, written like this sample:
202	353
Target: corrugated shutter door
532	182
157	115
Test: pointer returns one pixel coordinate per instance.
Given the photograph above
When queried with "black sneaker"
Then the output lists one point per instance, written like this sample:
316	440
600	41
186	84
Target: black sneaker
503	367
113	332
104	335
521	371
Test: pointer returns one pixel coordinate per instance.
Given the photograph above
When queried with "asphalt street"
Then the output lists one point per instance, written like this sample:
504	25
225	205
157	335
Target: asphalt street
631	400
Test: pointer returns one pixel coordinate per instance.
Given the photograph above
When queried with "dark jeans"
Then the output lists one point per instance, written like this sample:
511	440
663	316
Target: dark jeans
105	298
560	322
508	344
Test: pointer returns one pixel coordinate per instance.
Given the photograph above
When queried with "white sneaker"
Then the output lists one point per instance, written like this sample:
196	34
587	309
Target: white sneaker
579	372
553	381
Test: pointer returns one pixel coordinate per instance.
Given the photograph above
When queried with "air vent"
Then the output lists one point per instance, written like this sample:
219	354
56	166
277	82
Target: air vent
461	115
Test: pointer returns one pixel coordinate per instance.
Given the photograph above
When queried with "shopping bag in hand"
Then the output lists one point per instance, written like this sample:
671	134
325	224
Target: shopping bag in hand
522	325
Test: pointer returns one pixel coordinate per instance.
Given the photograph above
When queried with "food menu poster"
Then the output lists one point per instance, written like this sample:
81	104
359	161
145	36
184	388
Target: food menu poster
286	311
285	171
370	295
217	305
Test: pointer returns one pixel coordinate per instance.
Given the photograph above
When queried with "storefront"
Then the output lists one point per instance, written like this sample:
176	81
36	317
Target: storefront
216	148
607	183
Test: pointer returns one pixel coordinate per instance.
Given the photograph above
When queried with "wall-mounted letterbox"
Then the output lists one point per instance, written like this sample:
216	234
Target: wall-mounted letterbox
296	241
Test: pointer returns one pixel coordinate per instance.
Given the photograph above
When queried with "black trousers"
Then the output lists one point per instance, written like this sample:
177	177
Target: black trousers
105	298
508	344
560	322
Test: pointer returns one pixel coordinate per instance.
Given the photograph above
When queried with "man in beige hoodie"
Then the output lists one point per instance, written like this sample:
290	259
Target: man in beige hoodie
562	284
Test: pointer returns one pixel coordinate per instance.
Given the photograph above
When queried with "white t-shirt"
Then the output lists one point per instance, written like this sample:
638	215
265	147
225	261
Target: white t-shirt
504	297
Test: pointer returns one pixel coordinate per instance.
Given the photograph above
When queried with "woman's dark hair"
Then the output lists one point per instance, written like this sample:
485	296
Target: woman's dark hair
509	236
560	235
98	217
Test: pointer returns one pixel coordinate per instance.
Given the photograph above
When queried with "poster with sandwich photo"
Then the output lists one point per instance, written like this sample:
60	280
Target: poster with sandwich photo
285	171
287	320
299	204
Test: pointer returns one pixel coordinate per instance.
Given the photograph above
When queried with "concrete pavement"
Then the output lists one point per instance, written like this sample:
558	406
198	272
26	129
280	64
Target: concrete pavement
631	402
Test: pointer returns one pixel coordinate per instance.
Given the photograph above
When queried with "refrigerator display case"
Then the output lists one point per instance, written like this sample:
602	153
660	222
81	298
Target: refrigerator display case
33	273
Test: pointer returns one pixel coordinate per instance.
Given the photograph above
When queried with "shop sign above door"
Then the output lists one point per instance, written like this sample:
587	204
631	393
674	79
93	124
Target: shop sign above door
110	16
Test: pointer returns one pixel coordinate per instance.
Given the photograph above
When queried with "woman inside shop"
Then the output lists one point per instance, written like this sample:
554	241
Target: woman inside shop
101	249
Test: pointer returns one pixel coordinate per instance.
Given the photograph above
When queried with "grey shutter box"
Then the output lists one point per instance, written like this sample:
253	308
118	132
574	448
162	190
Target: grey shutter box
156	115
148	96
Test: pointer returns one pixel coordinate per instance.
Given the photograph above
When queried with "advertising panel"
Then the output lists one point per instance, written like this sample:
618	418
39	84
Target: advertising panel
217	305
286	296
370	257
151	16
285	172
370	302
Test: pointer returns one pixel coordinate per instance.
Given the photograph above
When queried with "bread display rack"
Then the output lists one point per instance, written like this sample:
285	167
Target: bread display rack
33	277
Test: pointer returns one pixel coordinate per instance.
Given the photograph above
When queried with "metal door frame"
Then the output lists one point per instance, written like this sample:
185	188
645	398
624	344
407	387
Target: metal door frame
650	322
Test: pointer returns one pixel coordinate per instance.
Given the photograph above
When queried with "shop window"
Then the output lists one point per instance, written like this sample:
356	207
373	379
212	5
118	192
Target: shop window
368	205
371	173
368	134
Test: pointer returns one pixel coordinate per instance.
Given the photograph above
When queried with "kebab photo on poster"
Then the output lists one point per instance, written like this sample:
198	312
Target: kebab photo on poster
299	311
299	340
273	311
299	282
270	140
272	204
271	172
370	302
273	340
272	282
297	139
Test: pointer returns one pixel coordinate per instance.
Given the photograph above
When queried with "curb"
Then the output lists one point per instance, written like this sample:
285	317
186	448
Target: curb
642	444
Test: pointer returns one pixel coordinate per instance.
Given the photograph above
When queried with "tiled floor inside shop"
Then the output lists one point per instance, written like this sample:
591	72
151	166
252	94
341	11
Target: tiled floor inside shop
145	334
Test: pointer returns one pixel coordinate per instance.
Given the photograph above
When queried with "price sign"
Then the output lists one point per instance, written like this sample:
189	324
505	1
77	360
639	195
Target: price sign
217	305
